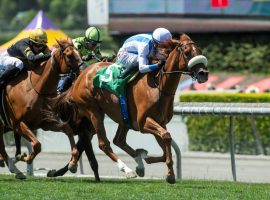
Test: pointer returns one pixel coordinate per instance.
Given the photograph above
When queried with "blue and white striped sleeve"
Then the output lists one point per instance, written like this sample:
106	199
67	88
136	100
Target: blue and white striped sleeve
144	67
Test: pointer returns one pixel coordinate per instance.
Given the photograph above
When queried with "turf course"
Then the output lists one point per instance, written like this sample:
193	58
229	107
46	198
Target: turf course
85	188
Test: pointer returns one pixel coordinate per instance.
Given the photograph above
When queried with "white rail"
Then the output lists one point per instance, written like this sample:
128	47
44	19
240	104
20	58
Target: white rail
229	109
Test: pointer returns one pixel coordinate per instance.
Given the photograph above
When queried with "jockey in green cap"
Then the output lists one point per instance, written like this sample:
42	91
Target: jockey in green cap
89	47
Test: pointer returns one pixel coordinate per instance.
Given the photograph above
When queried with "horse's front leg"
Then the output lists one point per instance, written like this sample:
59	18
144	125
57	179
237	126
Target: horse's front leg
104	144
5	158
138	155
24	130
164	139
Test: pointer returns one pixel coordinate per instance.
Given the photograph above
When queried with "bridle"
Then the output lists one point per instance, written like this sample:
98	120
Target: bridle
179	49
52	61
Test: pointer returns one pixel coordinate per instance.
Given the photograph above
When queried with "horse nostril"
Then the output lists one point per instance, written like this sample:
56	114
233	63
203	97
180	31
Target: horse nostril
202	73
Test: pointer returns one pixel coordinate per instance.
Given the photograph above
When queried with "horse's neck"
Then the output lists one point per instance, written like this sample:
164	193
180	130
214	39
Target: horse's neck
45	79
169	81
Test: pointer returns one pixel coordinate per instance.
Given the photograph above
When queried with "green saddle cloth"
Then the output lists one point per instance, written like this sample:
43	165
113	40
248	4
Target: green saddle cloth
107	78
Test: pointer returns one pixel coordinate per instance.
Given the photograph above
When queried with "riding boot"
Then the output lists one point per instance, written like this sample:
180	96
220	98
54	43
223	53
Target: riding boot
126	72
8	74
64	84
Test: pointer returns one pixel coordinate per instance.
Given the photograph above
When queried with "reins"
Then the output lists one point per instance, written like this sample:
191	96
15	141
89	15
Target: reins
176	62
52	59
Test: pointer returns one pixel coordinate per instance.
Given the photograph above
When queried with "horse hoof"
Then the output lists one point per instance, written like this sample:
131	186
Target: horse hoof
170	179
97	179
20	176
131	174
2	163
72	168
140	172
51	173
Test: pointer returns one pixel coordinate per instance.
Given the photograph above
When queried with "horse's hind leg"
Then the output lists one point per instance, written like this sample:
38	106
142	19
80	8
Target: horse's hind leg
62	171
85	137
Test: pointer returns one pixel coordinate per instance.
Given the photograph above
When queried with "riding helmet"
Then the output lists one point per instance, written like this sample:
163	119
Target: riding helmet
38	36
93	34
161	34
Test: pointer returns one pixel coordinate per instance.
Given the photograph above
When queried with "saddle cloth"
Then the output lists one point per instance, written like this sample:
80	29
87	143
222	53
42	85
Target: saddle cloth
107	78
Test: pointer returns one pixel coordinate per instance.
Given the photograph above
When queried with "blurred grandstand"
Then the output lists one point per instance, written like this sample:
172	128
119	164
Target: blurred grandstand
190	16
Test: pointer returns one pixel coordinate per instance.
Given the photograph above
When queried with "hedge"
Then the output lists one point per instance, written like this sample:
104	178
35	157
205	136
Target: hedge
211	133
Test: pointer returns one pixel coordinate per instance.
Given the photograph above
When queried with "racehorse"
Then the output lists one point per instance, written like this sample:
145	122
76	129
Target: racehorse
85	133
81	127
27	94
150	102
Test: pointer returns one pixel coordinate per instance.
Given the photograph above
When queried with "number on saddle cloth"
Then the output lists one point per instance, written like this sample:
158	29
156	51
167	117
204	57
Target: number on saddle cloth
107	78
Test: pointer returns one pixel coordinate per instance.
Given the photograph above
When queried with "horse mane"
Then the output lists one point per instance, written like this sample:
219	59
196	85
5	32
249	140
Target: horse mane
63	43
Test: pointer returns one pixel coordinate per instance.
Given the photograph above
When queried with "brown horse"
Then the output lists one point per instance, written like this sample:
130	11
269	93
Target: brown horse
150	102
28	93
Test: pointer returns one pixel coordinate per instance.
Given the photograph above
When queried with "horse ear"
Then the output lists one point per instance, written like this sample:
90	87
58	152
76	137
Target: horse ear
60	45
69	40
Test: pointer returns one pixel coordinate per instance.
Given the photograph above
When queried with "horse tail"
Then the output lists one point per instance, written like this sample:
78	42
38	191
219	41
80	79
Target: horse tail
61	110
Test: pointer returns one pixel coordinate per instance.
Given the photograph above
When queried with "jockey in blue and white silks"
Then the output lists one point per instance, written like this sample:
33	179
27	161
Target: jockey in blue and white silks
138	49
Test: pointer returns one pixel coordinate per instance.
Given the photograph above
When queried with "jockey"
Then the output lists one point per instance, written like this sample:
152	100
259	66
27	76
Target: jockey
138	49
27	52
89	47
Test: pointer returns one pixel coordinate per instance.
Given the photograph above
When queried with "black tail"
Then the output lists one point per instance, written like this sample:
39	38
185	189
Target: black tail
61	109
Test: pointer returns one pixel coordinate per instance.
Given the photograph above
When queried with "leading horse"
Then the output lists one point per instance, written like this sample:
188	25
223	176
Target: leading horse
150	102
27	94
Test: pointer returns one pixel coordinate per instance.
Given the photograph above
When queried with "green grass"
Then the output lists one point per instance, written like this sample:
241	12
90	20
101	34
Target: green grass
87	188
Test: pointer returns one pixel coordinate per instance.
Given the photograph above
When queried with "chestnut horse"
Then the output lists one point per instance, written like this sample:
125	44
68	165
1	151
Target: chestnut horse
150	102
27	94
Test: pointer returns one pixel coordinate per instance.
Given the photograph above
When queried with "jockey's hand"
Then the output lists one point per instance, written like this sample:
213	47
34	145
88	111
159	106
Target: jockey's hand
46	56
87	57
161	63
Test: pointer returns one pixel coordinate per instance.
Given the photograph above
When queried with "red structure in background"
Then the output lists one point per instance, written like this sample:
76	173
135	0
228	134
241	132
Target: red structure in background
219	3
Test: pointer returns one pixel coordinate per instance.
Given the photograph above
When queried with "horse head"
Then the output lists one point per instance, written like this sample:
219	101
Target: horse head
184	56
66	57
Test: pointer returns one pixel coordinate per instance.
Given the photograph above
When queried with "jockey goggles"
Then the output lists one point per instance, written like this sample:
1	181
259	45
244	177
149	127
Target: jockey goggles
92	43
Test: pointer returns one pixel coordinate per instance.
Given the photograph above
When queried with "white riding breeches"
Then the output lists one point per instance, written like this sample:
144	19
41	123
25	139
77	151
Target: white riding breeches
7	61
127	59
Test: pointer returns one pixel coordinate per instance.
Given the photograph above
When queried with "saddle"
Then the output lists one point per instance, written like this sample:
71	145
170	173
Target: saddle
108	78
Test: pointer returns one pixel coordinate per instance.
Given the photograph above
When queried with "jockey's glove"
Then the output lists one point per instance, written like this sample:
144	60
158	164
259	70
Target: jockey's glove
161	63
46	56
87	57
